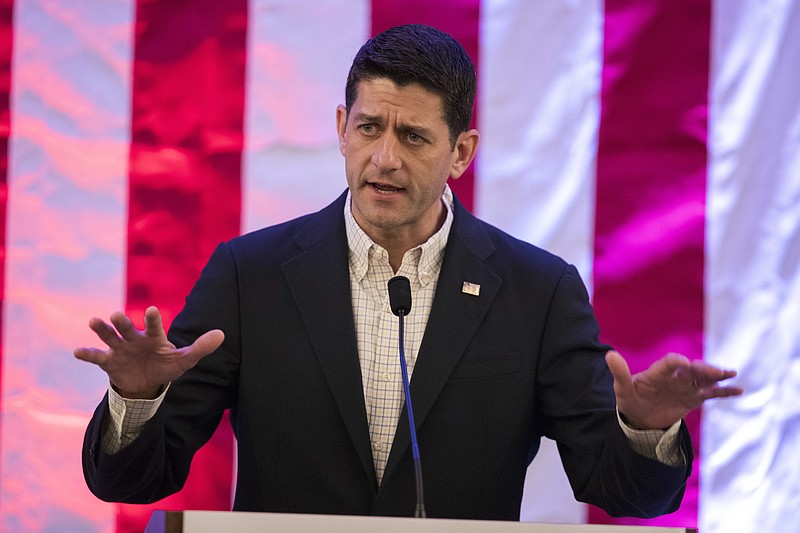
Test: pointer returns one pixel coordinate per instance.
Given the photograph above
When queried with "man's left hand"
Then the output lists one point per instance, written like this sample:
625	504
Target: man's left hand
667	391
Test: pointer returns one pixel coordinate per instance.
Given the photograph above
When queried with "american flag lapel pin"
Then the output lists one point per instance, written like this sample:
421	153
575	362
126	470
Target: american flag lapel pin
471	288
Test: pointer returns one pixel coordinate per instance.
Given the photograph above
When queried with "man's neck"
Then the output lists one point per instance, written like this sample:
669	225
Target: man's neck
397	245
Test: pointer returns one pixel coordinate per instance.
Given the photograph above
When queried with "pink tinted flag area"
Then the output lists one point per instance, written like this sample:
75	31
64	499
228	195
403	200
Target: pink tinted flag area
32	476
651	143
651	179
63	251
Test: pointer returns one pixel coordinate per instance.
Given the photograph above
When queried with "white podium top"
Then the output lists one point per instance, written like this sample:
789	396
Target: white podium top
241	522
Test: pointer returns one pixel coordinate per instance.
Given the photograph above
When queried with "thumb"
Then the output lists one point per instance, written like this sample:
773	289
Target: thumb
619	370
205	344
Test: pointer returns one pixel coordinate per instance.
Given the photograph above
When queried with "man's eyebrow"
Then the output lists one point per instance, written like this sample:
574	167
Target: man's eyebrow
365	117
419	129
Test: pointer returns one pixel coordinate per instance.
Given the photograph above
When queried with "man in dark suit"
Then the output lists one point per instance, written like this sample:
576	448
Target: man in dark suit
289	328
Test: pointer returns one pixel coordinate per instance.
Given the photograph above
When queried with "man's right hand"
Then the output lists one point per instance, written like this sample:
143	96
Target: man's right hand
139	363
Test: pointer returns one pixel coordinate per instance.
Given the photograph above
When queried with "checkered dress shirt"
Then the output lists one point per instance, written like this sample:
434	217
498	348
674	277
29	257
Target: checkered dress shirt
377	326
378	352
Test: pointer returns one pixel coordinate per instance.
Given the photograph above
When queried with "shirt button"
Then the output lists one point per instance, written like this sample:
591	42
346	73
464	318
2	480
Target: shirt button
386	376
378	446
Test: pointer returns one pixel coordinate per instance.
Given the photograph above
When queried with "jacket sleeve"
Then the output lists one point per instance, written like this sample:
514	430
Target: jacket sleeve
156	464
579	412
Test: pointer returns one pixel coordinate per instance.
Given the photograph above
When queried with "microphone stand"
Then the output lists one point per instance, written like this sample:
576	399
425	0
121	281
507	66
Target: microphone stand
400	299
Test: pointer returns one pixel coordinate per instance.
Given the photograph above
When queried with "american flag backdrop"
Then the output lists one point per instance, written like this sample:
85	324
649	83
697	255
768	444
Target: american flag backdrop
653	143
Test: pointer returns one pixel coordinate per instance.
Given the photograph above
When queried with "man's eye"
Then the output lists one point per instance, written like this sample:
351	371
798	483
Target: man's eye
369	129
414	138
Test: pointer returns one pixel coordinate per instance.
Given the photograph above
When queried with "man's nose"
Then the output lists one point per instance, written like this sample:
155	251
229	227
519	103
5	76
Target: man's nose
386	155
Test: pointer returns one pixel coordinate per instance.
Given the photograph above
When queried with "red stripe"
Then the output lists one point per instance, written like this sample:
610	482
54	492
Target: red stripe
651	176
185	168
6	43
459	18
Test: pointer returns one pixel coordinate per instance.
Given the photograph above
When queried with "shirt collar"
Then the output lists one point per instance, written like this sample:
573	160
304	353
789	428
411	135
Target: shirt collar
426	258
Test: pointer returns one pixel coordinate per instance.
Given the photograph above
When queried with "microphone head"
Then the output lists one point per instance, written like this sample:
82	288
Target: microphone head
399	295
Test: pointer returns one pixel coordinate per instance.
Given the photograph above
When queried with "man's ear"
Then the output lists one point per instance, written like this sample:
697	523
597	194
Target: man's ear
465	150
341	124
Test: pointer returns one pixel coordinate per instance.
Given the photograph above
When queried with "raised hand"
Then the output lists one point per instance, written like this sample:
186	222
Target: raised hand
667	391
139	363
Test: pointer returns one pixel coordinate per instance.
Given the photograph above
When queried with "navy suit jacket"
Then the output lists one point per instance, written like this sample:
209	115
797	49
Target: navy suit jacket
494	373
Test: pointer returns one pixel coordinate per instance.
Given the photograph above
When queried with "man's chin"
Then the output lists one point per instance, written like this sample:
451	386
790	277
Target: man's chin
379	222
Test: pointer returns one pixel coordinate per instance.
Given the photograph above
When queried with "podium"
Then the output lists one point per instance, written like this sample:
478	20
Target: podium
244	522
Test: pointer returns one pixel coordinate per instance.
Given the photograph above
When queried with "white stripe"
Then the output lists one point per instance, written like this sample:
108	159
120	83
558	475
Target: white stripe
297	65
70	102
538	116
539	111
750	470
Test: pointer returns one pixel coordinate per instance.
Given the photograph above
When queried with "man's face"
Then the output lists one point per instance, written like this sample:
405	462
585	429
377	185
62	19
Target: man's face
398	157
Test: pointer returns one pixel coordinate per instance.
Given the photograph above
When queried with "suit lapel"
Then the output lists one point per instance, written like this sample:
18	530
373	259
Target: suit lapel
454	318
320	282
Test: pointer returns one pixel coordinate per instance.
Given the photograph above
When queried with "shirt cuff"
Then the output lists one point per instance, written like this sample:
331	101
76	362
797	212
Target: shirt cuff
126	419
662	445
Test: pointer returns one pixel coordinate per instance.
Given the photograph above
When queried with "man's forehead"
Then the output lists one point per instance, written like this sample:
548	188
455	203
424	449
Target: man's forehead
377	96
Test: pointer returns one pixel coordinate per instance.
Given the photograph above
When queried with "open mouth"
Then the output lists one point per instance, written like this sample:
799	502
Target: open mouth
383	188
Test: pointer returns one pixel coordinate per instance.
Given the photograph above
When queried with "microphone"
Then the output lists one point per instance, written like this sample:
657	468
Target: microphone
399	296
400	301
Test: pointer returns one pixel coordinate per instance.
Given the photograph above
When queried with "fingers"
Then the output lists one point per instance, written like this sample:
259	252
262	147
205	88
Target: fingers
701	378
124	325
673	362
724	392
105	333
91	355
708	393
706	376
706	379
153	325
123	328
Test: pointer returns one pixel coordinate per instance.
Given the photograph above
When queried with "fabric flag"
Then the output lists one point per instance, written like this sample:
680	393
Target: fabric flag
654	144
